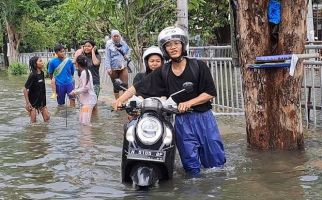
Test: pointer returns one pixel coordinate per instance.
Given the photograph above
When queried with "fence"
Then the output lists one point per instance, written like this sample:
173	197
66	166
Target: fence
228	81
210	51
230	100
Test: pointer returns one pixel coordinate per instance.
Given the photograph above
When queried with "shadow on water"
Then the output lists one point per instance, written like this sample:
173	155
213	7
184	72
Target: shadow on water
55	161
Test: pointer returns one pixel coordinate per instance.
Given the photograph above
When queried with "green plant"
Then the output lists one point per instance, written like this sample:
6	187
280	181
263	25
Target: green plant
46	69
17	68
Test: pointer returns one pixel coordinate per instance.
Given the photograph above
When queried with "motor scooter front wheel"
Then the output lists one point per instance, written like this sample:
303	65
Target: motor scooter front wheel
144	175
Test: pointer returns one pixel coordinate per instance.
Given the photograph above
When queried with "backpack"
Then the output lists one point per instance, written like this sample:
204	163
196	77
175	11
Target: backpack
195	71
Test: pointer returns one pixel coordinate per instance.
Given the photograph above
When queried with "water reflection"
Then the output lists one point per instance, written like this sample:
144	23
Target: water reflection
26	162
86	137
268	175
35	140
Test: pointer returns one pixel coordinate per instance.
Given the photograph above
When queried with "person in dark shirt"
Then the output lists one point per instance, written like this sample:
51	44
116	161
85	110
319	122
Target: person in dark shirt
89	50
152	59
35	90
197	135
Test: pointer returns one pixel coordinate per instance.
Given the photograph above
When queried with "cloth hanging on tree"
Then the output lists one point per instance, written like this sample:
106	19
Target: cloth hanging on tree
274	19
274	11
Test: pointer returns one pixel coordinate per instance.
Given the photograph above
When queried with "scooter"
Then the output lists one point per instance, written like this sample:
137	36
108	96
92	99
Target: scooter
149	148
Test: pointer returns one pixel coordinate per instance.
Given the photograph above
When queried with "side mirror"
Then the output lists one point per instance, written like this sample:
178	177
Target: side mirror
118	83
188	87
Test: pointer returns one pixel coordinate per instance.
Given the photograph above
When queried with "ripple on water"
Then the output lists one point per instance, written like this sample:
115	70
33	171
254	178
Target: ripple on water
46	195
305	186
308	178
100	191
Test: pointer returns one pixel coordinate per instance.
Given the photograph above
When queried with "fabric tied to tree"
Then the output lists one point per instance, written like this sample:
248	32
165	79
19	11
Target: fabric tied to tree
274	19
274	11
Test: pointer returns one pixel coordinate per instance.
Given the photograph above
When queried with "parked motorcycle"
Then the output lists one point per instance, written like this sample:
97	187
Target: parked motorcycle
149	142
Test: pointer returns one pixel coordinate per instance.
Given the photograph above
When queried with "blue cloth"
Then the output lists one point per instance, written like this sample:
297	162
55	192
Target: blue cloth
66	76
274	11
113	58
62	91
199	142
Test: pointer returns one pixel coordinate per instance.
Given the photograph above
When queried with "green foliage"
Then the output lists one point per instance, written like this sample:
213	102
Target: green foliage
36	36
49	3
45	69
27	17
316	1
2	29
207	23
18	68
44	23
15	10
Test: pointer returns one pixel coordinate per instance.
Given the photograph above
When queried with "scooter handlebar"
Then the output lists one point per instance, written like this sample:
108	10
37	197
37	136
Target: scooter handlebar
174	110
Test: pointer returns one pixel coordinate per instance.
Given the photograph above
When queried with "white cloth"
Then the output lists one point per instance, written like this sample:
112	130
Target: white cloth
115	32
294	60
85	90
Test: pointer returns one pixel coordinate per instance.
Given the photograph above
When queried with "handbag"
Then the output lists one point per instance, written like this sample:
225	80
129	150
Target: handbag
128	60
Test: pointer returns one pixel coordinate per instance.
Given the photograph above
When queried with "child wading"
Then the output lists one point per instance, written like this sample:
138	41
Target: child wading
35	90
85	91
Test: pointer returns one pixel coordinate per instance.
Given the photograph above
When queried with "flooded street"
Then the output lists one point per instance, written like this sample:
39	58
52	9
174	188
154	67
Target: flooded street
55	161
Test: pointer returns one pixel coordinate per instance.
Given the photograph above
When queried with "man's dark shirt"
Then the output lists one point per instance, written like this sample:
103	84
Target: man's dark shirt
154	85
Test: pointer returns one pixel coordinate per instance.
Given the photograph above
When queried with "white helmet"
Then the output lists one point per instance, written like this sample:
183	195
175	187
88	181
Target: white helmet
153	50
171	34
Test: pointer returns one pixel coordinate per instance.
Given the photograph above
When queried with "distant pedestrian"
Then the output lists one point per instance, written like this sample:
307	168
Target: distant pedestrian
89	50
117	57
35	90
62	69
85	91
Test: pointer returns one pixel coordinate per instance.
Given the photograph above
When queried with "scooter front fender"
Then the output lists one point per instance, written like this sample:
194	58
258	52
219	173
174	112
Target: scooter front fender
144	175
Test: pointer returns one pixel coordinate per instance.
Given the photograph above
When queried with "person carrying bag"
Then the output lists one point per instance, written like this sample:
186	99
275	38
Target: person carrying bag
117	60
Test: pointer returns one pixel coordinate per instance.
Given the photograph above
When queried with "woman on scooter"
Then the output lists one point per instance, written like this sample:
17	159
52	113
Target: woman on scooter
152	59
197	135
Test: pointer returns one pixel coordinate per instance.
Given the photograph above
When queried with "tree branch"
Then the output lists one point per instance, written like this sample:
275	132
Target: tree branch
92	23
148	13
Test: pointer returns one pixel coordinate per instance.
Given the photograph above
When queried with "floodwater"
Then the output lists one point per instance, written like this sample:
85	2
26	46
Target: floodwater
61	160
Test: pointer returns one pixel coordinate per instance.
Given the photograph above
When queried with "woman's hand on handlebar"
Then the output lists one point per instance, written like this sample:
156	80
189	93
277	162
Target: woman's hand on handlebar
117	104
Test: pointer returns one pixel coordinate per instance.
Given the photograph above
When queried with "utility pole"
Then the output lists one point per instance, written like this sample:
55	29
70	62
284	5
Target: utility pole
309	22
182	15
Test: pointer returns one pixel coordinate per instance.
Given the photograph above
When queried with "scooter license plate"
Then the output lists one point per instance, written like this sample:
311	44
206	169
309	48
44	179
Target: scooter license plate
147	155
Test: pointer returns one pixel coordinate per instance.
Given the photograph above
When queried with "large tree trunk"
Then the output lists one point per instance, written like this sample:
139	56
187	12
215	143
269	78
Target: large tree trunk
272	96
14	42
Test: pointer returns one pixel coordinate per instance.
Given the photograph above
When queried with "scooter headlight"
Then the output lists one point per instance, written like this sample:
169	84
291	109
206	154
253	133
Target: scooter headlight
149	130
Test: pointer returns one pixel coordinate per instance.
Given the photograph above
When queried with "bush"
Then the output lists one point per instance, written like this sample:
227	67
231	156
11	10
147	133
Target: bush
18	68
46	70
